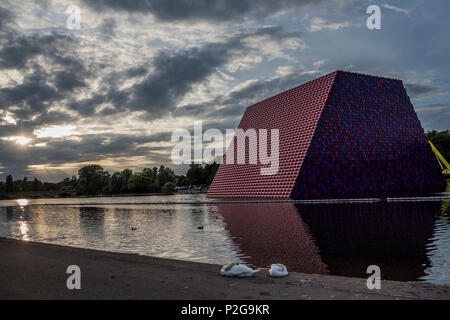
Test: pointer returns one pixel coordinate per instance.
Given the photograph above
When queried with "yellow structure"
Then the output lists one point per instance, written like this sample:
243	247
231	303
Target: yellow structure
442	162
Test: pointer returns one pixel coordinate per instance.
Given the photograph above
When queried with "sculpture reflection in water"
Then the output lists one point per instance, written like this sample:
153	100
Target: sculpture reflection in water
339	239
272	233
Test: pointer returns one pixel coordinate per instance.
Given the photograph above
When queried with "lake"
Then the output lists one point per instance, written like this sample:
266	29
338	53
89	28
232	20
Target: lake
409	240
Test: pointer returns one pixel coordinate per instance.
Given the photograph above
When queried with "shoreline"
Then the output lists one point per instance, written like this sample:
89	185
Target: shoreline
57	195
33	270
221	201
67	195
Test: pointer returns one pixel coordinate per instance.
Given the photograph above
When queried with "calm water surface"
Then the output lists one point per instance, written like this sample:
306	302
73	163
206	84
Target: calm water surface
408	240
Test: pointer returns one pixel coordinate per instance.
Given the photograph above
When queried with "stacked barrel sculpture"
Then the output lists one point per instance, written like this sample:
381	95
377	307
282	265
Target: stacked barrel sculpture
342	135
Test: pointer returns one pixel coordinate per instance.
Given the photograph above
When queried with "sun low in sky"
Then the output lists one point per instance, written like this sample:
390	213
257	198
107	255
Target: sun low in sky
18	140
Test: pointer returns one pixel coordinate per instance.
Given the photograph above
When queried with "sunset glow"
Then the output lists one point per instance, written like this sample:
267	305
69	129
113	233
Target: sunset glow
9	119
19	140
22	202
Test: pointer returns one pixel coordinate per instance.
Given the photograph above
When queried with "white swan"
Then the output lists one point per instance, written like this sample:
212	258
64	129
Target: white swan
278	270
237	270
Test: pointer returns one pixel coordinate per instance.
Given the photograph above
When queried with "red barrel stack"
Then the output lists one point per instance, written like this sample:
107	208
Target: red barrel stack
341	135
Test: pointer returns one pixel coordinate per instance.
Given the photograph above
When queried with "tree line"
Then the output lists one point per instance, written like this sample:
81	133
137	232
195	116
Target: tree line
93	179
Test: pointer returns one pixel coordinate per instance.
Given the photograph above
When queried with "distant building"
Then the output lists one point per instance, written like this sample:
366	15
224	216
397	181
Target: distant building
341	135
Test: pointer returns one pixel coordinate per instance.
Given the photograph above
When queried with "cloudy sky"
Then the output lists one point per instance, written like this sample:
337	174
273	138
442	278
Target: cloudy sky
112	91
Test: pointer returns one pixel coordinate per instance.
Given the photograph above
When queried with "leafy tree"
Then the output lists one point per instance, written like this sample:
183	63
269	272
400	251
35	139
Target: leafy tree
17	186
119	181
36	185
115	183
142	182
195	174
183	181
198	174
49	186
168	187
93	179
151	173
9	184
126	174
165	175
441	141
151	180
68	184
2	186
210	171
25	184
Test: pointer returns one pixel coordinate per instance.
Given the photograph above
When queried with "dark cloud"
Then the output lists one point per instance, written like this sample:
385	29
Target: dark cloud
51	118
211	10
136	72
19	49
67	81
234	103
60	72
174	74
53	77
25	126
434	116
177	72
108	27
40	87
9	129
6	17
87	107
31	96
67	70
418	90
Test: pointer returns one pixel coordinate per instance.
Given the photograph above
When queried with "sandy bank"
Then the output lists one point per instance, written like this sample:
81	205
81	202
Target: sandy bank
30	270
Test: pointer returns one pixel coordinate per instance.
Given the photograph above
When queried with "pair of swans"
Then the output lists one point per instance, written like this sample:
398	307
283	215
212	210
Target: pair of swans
239	270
